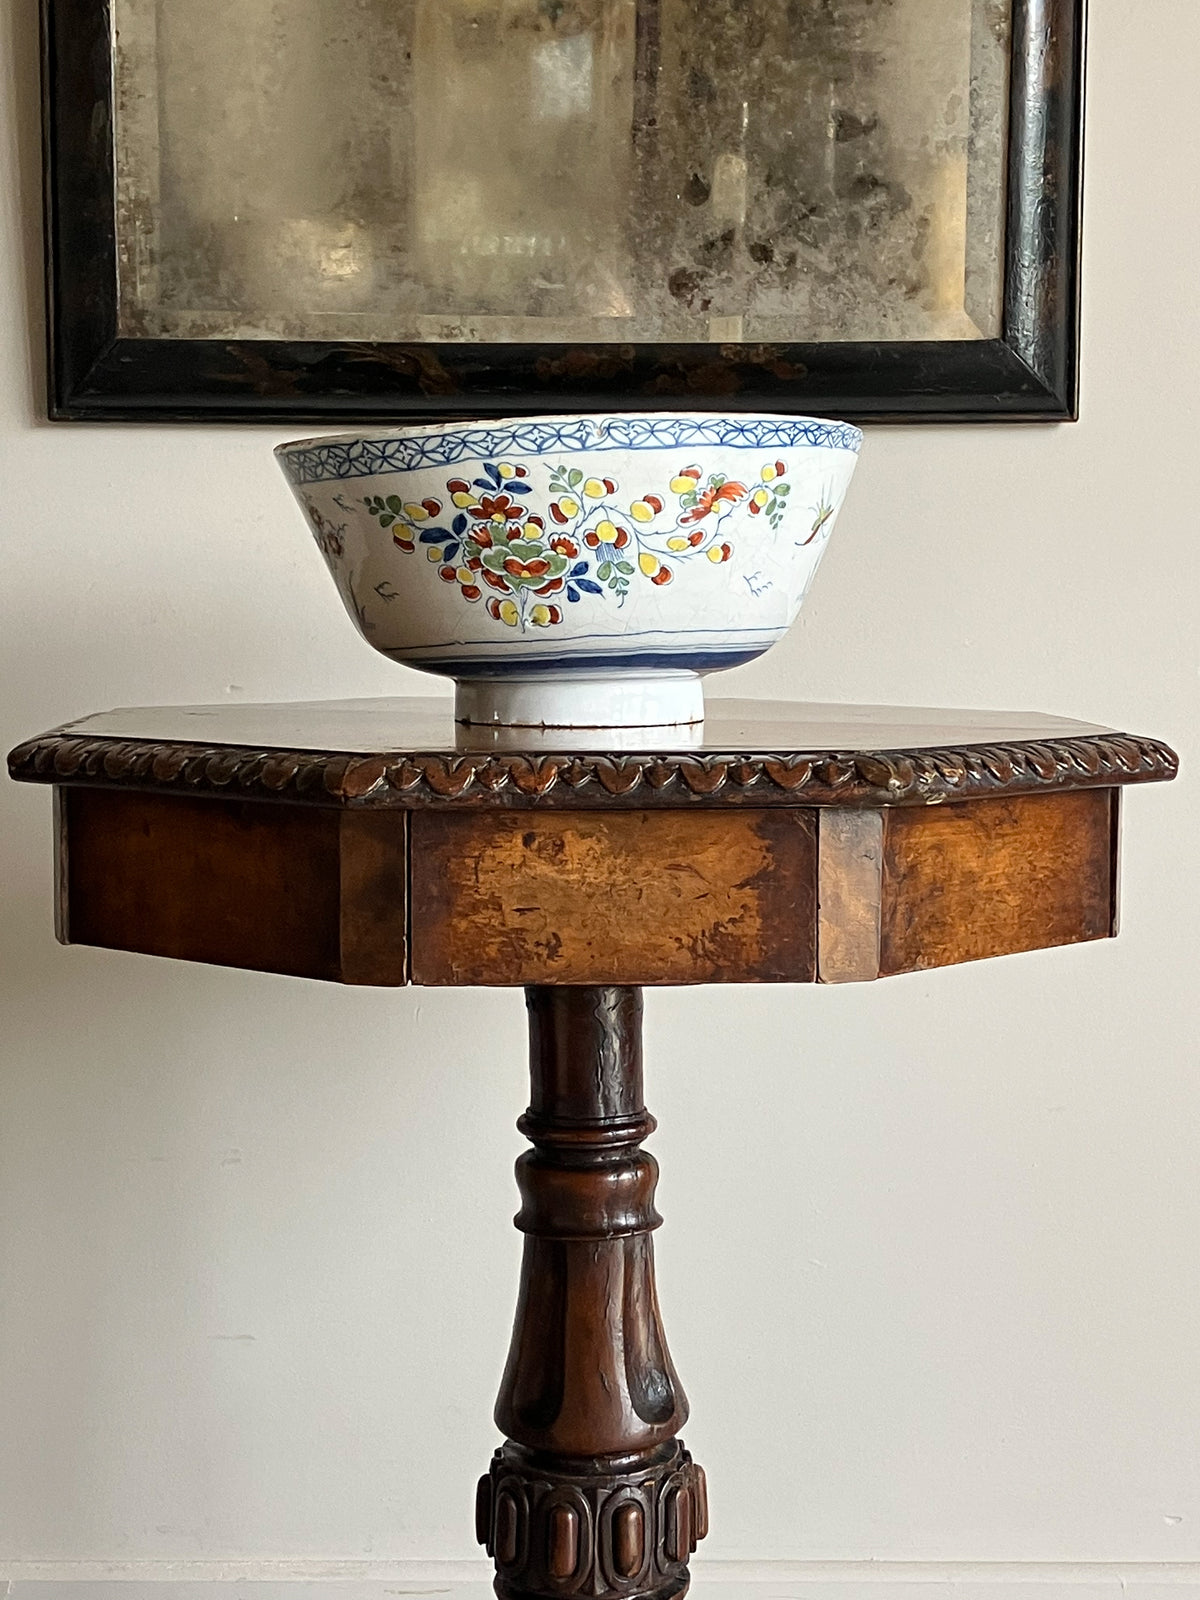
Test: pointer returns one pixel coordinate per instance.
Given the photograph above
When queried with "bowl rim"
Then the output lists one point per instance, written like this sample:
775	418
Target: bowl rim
422	430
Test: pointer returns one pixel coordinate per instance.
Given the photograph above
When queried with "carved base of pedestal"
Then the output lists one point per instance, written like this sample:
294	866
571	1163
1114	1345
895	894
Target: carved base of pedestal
606	1529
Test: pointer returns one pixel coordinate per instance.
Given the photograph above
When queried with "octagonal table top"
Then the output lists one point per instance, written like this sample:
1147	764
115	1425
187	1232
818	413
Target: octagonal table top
409	752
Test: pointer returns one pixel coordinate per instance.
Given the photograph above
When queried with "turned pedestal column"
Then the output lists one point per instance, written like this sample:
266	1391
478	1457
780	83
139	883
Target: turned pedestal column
592	1494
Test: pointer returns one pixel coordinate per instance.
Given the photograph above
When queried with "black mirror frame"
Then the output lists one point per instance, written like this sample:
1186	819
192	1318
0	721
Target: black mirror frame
1031	374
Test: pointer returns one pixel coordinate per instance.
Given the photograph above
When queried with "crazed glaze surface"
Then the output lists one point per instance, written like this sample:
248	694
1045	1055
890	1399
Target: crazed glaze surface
559	547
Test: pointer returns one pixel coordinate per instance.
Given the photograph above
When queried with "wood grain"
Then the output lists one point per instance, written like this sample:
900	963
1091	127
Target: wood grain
62	909
373	918
288	889
850	891
989	878
613	898
648	897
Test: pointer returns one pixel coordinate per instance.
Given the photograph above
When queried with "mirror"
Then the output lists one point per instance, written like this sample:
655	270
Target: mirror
562	172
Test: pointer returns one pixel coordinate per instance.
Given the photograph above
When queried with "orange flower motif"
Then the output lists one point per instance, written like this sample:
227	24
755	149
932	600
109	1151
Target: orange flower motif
497	508
526	569
564	546
728	496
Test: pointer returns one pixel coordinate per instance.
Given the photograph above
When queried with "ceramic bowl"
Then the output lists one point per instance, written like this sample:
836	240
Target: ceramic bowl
576	571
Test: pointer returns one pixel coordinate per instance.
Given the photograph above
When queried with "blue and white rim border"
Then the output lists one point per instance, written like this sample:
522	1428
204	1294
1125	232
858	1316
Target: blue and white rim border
362	458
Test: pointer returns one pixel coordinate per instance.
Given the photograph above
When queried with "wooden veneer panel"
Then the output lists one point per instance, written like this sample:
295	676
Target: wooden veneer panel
995	877
632	897
907	889
301	890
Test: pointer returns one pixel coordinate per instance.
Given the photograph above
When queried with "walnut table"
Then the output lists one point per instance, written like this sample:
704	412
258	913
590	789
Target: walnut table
370	842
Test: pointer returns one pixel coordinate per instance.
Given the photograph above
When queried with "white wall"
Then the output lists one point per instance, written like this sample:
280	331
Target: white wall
930	1267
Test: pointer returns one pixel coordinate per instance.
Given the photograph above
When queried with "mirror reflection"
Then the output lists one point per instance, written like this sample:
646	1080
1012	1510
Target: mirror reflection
562	171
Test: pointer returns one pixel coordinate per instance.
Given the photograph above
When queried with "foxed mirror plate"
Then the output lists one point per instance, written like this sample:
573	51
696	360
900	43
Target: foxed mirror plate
562	171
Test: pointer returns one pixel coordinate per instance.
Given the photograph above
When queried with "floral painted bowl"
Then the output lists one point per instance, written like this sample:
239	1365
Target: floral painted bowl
576	572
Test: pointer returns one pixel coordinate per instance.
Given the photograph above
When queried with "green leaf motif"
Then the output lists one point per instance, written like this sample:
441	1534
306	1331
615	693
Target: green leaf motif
550	564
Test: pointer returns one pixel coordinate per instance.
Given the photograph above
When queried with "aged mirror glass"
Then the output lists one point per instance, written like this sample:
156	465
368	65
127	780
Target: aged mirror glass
567	172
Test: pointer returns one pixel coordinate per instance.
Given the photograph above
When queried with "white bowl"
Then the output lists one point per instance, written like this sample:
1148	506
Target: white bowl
576	571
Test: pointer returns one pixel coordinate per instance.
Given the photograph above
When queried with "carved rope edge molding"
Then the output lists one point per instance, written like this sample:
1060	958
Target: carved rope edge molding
886	778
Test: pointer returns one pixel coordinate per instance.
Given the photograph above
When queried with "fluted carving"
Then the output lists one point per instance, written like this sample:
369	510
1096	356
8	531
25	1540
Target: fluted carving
611	1533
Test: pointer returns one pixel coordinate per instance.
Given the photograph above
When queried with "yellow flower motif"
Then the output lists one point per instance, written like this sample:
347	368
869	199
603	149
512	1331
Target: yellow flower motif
769	474
608	532
648	563
569	507
509	613
641	512
434	553
541	616
594	489
463	501
762	496
416	513
506	471
677	544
